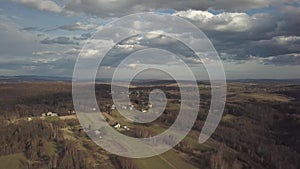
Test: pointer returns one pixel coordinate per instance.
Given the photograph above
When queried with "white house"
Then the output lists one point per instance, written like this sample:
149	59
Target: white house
97	132
51	114
117	125
54	114
126	128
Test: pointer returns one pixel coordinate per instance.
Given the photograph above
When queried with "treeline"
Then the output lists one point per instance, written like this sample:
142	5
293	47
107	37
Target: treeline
43	145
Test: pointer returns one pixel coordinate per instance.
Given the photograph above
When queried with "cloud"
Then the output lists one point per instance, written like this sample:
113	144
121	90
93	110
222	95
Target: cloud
223	22
78	26
268	36
105	8
59	40
72	51
289	43
15	42
278	45
83	36
241	35
33	29
44	5
229	22
44	53
289	19
280	60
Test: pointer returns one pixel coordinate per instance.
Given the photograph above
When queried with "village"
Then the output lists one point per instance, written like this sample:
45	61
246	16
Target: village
111	112
113	122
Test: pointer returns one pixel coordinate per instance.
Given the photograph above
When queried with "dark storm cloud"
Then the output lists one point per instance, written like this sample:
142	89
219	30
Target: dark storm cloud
241	35
280	60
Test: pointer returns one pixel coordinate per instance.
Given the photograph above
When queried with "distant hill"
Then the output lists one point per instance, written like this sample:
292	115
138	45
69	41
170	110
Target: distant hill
33	78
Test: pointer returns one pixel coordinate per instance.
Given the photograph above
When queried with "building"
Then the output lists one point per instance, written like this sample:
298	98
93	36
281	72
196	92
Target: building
117	125
126	128
113	107
51	114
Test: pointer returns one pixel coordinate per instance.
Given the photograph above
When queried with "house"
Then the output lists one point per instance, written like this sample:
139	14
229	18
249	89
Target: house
51	114
54	114
113	107
117	125
97	132
71	112
126	128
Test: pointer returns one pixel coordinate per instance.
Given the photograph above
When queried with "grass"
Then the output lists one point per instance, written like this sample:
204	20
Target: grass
51	148
268	97
191	139
228	117
52	118
153	162
168	160
13	161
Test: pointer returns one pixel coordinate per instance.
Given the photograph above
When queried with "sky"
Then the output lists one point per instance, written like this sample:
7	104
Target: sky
256	39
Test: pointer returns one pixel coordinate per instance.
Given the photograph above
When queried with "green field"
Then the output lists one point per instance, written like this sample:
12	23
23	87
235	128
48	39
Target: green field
169	160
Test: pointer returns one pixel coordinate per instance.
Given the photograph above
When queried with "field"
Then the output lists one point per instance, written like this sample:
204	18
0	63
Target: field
259	128
13	161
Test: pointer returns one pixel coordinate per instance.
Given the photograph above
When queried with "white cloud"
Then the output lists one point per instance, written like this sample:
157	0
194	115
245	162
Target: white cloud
72	51
285	40
286	59
78	26
286	43
109	8
45	5
43	53
43	60
89	53
224	22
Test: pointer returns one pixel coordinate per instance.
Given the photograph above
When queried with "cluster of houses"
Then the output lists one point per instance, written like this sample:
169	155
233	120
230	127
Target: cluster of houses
52	114
49	114
98	133
131	107
124	107
118	126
